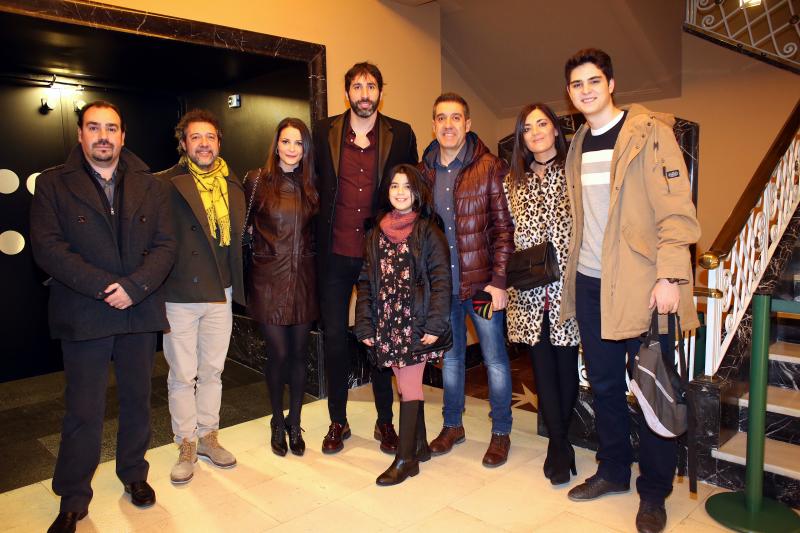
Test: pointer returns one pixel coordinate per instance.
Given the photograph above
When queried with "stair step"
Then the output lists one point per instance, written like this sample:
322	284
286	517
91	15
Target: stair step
779	457
788	352
779	400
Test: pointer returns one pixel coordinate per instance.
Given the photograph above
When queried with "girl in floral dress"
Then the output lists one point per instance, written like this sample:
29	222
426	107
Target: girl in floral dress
403	306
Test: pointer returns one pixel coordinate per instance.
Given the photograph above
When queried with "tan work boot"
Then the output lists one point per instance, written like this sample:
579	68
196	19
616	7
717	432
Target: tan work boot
211	449
183	471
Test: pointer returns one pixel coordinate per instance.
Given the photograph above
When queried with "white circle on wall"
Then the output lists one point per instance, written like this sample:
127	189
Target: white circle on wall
30	183
9	182
11	242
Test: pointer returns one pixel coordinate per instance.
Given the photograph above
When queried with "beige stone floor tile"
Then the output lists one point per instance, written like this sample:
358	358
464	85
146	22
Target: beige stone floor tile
230	513
699	513
333	517
448	519
619	511
414	499
693	526
567	522
519	500
121	517
320	482
467	458
31	508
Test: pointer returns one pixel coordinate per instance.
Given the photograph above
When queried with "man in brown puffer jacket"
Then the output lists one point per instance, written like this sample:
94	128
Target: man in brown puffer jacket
467	181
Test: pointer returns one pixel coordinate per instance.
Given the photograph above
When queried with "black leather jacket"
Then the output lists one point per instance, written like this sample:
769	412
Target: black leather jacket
430	274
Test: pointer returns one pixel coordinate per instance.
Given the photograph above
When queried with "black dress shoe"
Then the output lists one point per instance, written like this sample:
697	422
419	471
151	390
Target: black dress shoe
594	487
66	522
142	494
296	442
651	518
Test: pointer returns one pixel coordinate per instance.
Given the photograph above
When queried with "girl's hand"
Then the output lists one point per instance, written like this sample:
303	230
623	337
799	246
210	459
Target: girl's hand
369	342
429	339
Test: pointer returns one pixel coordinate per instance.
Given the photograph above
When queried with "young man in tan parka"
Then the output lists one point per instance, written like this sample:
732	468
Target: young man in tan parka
634	222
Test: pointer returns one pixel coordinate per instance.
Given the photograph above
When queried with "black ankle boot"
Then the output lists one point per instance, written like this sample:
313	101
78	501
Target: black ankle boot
423	452
405	463
563	464
296	442
278	440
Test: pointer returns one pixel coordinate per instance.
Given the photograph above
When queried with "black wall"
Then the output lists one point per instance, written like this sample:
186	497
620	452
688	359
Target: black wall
31	141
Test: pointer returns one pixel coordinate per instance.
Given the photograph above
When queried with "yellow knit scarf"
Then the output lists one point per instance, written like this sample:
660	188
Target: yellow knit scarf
213	191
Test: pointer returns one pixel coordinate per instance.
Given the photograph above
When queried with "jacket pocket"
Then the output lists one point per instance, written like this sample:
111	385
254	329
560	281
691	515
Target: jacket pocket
639	244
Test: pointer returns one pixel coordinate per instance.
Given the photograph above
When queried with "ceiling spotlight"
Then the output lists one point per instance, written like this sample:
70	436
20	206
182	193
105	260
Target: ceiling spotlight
749	3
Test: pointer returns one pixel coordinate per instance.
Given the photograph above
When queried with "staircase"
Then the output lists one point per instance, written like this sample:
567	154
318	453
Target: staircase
753	254
782	445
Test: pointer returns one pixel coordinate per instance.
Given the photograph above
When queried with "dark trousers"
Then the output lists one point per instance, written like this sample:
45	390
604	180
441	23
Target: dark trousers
606	367
86	373
338	276
555	370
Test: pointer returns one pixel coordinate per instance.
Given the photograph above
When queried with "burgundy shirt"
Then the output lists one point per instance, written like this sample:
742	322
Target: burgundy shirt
357	178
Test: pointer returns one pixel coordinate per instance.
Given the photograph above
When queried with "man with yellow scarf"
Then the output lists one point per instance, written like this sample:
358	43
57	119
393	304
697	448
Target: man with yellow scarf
208	206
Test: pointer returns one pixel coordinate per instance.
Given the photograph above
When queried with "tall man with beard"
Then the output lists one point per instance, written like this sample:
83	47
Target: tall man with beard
100	227
354	151
207	205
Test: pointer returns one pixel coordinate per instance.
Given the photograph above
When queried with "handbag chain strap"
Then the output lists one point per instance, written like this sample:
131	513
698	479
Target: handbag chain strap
250	204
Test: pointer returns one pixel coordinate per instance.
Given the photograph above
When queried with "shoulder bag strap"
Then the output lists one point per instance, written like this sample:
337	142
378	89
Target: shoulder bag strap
250	204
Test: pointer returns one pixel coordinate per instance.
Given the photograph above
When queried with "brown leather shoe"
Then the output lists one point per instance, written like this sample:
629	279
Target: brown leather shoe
332	443
388	437
497	453
447	437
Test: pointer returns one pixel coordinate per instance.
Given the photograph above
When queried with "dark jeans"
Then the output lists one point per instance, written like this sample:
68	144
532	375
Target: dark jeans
606	367
86	374
338	276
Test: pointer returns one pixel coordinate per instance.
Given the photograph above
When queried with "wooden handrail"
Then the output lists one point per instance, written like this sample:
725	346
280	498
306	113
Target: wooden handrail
733	226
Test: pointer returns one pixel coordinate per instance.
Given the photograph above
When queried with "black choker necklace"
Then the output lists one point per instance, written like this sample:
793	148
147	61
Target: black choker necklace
546	162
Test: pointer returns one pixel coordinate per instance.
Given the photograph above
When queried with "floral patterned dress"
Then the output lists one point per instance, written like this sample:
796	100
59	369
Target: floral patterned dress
393	339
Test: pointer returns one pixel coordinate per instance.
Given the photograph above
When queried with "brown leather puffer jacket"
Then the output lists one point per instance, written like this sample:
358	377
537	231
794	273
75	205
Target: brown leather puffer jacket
484	229
281	285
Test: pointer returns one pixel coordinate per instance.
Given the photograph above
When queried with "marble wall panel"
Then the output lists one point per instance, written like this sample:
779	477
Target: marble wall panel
777	426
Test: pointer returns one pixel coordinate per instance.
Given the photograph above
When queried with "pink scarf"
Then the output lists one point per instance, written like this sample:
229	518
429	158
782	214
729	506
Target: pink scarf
397	226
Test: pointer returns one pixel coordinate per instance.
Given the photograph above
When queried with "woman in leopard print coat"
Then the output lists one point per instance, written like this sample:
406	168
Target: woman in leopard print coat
537	199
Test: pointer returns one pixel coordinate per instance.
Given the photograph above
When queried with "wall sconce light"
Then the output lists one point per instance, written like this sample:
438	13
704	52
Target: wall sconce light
78	105
749	3
46	106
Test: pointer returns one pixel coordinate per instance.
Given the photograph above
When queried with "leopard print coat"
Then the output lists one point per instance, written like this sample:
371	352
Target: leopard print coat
540	210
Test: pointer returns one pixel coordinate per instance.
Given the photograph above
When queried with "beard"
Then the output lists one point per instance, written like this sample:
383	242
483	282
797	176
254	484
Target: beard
102	157
364	113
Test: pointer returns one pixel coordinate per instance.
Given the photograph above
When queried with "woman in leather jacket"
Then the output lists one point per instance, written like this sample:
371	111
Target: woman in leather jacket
281	282
403	306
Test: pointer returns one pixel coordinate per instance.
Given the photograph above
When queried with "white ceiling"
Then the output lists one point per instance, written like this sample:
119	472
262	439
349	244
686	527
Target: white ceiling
512	52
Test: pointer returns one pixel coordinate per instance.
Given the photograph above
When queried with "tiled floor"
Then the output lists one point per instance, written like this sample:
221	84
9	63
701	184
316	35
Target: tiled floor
31	411
338	493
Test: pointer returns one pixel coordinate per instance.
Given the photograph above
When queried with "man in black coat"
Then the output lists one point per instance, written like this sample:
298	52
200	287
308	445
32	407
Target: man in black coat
208	207
100	227
354	152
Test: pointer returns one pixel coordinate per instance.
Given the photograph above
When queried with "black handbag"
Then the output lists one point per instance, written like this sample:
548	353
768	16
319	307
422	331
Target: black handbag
533	267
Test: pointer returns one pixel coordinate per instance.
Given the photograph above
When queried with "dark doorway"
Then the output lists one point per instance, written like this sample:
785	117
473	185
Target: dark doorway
60	56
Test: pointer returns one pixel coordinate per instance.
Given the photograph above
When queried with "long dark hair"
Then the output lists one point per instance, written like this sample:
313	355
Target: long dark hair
423	197
271	172
521	157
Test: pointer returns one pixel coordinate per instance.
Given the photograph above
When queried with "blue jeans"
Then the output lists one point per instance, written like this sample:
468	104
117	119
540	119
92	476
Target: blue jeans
495	357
